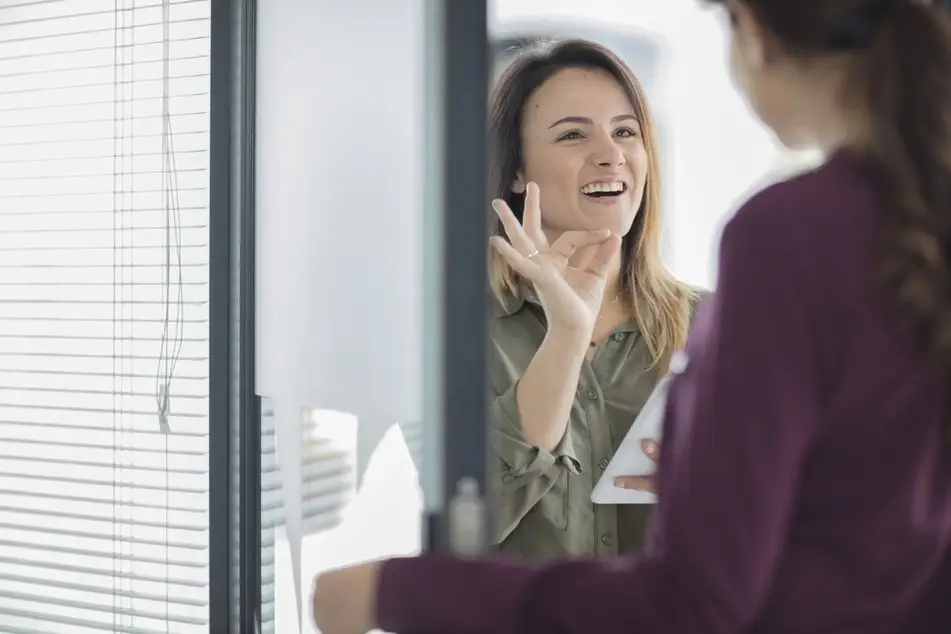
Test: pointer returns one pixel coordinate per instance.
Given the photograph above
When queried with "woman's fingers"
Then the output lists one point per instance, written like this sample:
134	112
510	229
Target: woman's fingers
635	483
513	228
522	264
646	482
600	262
532	216
528	237
650	448
570	241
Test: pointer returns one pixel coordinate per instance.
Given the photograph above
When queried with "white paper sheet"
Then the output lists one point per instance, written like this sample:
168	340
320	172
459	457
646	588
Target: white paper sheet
630	459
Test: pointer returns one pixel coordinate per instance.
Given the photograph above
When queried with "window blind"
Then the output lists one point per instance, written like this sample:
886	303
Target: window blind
272	514
326	484
104	316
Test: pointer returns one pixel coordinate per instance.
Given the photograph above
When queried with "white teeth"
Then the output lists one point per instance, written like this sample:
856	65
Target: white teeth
594	188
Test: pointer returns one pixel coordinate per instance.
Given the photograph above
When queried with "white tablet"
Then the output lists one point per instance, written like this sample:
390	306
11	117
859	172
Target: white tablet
630	459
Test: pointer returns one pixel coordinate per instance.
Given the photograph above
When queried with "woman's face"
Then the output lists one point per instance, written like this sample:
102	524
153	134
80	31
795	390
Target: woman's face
582	145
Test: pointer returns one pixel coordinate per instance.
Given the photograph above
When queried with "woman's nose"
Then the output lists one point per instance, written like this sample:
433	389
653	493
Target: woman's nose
615	161
609	154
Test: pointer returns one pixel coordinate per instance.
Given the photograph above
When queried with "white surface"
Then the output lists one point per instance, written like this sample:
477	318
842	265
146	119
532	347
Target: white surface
630	459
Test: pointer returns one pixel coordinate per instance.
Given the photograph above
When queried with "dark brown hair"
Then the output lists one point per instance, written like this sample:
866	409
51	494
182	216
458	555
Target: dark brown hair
897	58
659	303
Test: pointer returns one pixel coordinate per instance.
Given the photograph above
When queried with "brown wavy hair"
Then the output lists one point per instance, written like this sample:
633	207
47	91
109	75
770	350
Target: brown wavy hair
896	55
659	304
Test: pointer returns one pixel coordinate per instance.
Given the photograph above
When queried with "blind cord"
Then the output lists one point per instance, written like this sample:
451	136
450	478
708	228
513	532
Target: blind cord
172	280
172	342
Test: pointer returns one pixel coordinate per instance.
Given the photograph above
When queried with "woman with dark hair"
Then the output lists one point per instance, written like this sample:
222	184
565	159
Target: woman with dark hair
804	480
585	324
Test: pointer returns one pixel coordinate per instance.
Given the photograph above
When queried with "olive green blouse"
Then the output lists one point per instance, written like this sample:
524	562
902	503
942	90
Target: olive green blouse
541	501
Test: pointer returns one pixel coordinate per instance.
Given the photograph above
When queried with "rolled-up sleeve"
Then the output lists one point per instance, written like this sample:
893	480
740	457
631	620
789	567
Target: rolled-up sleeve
521	473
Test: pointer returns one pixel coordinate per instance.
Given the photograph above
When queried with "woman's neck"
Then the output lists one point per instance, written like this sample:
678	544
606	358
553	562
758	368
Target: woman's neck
611	303
613	286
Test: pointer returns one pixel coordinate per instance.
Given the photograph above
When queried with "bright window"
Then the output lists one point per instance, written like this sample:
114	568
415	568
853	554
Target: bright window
104	316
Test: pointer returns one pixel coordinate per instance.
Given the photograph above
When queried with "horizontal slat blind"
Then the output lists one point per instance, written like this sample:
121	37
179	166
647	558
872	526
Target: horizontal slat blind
327	484
272	514
104	316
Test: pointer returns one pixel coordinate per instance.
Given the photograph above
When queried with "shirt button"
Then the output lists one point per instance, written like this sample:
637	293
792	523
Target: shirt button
508	478
607	539
604	463
592	395
619	336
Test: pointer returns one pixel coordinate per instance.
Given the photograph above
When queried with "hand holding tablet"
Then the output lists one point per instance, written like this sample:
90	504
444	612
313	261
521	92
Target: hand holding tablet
630	458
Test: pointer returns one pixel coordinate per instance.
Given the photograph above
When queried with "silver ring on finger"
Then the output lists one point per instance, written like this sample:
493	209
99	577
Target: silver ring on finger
533	254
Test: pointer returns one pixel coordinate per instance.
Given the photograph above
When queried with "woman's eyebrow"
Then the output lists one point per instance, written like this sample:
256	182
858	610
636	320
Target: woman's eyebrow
587	121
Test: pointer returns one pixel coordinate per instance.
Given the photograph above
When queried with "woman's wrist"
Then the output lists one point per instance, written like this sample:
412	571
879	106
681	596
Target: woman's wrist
576	339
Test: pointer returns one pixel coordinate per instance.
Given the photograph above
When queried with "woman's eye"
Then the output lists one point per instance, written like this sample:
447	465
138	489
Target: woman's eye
626	132
567	136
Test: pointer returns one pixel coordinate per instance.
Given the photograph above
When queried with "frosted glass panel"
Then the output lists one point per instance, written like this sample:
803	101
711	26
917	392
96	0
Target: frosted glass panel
339	160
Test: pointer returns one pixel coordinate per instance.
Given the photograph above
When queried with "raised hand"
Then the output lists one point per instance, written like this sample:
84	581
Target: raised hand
569	287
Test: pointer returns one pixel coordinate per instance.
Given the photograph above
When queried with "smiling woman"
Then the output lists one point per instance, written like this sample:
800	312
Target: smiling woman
586	315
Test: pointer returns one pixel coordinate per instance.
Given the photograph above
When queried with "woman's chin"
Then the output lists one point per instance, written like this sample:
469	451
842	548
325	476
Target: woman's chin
619	226
617	218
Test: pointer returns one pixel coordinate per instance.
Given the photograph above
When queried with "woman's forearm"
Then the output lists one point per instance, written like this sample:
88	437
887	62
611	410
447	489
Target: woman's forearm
546	391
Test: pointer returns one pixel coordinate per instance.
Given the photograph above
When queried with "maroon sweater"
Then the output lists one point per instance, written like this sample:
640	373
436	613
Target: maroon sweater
804	482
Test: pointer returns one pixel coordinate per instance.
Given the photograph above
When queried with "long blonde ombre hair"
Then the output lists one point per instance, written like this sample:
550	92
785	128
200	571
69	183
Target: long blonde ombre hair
659	303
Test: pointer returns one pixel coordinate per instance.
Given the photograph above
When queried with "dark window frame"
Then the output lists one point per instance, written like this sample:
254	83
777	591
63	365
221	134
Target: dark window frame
234	426
462	89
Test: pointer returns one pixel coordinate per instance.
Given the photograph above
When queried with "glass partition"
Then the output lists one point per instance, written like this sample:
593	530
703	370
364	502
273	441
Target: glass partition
339	266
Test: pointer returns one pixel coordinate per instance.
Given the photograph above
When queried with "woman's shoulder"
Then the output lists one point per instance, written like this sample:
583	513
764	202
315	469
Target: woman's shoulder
817	208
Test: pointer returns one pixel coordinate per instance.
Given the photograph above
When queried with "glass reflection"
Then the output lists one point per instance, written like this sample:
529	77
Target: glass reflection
315	516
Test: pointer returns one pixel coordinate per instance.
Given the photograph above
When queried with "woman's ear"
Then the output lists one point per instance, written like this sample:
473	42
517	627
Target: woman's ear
749	37
518	185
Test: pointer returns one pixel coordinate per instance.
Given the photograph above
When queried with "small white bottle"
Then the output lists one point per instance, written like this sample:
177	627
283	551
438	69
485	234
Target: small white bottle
467	520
